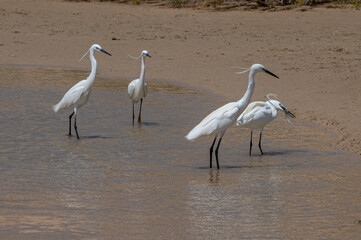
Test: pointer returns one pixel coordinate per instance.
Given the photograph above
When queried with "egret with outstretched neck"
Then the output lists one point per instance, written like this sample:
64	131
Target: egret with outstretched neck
217	122
78	95
137	89
258	114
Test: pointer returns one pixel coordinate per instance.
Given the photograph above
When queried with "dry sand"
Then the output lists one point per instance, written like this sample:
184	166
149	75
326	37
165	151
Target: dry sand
316	53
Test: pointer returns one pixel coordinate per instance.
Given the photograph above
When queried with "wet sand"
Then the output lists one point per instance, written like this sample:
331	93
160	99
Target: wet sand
316	53
148	182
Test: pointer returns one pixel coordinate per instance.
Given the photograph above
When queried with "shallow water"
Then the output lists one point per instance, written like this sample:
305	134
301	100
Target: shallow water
148	182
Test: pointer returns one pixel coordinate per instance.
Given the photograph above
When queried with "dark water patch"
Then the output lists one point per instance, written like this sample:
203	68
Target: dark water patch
97	136
148	124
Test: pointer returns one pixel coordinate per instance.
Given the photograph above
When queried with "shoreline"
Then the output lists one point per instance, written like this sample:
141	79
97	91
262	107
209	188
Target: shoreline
309	123
316	55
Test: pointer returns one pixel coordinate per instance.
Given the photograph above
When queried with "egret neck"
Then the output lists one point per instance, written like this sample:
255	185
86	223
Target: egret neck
247	96
90	79
142	72
274	109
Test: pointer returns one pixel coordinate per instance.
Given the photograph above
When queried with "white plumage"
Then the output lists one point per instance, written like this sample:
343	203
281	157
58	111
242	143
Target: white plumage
78	95
217	122
258	114
137	94
138	89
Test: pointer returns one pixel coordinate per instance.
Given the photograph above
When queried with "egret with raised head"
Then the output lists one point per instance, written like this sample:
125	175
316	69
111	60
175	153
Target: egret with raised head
258	114
78	95
217	122
137	89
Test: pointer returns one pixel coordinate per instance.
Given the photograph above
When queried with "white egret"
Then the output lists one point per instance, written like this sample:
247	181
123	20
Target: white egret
258	114
137	89
224	117
79	94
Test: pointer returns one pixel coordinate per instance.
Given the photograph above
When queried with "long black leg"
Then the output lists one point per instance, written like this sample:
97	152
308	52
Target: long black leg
219	143
133	114
140	111
259	143
250	145
76	128
70	116
211	152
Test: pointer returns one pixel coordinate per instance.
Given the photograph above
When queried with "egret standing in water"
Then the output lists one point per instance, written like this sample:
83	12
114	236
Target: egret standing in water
79	94
137	89
258	114
224	117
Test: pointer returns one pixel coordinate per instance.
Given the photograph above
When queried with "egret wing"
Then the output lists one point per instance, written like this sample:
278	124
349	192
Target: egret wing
229	111
72	96
131	88
250	112
219	113
216	120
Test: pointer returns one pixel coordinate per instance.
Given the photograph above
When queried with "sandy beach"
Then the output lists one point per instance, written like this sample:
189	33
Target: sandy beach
316	53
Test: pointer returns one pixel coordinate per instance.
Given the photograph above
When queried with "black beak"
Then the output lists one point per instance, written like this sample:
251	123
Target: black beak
102	50
288	112
148	55
272	74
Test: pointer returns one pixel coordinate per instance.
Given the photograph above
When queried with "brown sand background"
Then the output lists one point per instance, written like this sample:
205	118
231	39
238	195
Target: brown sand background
316	53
